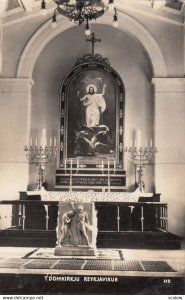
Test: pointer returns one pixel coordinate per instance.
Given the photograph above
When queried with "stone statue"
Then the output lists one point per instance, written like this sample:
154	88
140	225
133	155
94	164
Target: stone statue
81	226
95	105
72	221
66	234
75	234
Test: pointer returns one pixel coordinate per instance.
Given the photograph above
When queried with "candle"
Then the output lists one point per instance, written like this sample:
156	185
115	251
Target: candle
102	164
43	141
138	138
108	166
65	163
146	144
31	141
50	142
36	141
71	164
151	143
114	164
55	141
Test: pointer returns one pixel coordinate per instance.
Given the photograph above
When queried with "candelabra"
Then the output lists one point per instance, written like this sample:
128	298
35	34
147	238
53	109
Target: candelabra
40	156
110	171
71	171
141	157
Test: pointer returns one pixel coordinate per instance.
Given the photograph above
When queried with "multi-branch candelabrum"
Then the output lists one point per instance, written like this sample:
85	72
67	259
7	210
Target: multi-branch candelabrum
40	156
141	157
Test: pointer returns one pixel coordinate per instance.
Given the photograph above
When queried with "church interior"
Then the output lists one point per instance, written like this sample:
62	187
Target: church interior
92	162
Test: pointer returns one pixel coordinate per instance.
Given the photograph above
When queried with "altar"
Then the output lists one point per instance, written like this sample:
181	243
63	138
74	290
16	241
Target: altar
130	222
90	198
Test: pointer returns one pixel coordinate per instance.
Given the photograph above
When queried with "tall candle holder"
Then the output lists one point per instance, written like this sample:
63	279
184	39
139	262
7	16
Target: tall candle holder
40	156
71	170
109	172
141	157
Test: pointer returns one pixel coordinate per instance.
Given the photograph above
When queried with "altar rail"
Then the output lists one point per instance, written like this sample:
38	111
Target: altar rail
42	215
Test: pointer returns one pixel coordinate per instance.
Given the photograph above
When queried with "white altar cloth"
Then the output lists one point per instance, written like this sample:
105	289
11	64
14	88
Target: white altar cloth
89	196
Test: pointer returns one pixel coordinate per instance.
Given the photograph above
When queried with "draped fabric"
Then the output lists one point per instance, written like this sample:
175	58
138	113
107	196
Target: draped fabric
96	105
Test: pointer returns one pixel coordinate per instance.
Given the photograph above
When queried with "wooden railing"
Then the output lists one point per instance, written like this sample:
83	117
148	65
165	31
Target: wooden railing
42	215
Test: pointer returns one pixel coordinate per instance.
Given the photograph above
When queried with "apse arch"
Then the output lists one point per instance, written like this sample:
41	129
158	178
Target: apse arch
126	23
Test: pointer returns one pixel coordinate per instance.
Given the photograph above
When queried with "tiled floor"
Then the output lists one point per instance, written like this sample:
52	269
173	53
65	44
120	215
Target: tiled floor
132	263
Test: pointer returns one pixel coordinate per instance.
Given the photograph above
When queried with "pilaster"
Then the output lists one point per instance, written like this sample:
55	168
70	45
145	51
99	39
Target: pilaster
15	114
169	94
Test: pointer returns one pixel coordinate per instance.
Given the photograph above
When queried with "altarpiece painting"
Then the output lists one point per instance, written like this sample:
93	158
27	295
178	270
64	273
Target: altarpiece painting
92	112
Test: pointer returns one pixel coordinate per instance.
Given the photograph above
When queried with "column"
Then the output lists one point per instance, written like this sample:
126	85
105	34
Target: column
3	6
170	141
15	103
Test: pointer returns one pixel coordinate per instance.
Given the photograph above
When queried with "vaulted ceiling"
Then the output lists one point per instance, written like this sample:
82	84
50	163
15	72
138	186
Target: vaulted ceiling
173	10
12	4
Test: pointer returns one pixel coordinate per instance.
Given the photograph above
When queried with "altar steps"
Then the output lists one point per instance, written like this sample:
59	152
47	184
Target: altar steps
90	176
124	239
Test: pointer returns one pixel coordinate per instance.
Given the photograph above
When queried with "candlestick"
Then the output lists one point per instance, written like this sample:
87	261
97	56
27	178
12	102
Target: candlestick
43	141
138	138
40	156
72	171
141	157
109	172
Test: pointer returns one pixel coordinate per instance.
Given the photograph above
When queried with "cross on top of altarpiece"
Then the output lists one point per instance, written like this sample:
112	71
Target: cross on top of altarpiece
93	40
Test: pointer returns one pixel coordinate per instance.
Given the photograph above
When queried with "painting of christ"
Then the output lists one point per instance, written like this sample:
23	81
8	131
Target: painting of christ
91	111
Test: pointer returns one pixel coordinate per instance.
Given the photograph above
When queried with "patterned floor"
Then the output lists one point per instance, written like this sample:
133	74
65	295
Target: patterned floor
86	264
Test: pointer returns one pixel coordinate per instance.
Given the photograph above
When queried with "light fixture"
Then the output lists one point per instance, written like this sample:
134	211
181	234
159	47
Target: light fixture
111	4
115	20
81	11
54	20
43	8
87	29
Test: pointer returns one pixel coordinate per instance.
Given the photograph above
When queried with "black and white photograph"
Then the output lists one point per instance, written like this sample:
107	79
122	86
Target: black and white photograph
92	155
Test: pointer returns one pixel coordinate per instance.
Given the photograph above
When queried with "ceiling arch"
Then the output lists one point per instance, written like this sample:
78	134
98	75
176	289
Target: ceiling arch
126	23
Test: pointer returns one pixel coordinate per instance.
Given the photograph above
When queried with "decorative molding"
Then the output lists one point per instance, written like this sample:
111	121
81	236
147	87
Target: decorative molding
169	85
126	23
16	85
89	58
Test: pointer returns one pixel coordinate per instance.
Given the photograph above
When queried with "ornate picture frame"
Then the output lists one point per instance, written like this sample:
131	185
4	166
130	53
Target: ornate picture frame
92	104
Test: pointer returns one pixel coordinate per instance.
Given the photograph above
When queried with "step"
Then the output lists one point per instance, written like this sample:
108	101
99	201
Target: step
124	239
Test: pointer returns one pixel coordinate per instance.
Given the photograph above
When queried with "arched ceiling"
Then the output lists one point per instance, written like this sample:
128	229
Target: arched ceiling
169	9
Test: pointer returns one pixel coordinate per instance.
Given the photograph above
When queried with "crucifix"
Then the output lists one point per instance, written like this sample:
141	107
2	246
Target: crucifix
93	40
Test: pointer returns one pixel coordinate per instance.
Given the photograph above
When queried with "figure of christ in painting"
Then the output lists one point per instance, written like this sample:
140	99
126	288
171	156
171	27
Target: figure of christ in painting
95	105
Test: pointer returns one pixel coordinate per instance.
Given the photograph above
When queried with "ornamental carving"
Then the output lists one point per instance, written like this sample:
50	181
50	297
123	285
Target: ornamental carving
89	58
